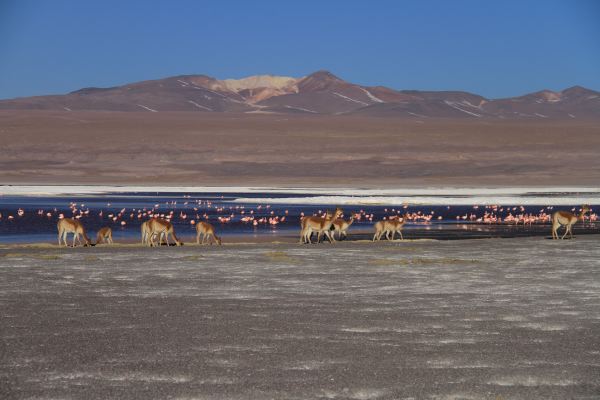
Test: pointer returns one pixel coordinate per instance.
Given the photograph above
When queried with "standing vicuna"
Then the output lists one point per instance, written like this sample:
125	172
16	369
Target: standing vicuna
390	226
341	227
104	235
161	228
70	225
396	226
145	232
206	230
320	225
566	219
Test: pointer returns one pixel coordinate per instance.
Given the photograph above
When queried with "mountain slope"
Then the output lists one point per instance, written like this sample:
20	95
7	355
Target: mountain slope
318	93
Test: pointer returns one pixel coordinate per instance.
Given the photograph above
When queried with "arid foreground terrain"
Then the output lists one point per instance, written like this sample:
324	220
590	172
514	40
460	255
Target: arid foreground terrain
62	147
469	319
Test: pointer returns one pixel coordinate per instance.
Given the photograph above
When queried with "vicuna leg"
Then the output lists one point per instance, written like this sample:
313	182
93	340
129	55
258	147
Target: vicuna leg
571	231
566	231
308	236
305	236
555	230
329	237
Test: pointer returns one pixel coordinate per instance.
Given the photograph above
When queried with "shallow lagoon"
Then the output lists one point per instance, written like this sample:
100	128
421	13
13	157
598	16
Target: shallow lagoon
99	209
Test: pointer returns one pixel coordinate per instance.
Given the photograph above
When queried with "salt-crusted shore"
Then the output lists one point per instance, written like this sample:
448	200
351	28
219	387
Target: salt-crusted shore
471	319
344	196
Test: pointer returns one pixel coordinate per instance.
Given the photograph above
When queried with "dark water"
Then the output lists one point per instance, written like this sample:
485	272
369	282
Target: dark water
35	226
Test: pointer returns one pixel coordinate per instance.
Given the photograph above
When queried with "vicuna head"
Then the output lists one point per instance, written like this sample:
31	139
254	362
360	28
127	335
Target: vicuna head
338	212
584	209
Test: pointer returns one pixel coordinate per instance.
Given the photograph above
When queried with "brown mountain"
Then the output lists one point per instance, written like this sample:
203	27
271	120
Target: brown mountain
318	93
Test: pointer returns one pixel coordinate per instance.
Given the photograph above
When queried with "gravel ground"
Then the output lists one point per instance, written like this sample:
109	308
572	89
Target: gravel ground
470	319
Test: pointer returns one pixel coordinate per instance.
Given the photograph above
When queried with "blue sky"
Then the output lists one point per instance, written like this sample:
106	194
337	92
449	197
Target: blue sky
493	48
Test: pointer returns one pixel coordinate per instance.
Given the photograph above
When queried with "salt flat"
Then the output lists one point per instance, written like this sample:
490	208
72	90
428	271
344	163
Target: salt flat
550	195
466	319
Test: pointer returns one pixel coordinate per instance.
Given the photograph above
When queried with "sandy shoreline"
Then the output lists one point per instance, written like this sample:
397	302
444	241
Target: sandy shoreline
355	237
229	242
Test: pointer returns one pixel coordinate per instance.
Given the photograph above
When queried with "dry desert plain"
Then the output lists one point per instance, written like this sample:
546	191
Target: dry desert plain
468	319
61	147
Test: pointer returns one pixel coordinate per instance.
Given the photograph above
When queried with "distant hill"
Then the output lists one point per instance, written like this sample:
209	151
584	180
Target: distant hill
318	93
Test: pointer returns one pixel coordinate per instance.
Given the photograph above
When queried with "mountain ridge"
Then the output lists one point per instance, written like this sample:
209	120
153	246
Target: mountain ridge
320	92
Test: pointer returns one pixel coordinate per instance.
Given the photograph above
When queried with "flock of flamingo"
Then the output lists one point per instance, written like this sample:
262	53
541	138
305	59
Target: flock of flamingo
158	227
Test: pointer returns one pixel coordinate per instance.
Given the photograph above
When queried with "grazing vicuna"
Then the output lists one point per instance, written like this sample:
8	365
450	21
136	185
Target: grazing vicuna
69	225
161	228
104	235
207	231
